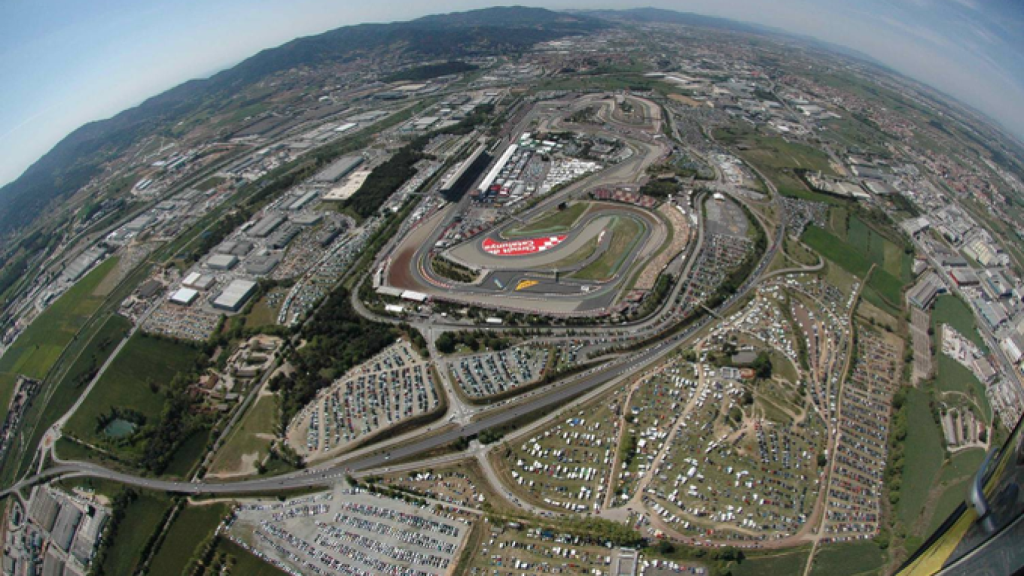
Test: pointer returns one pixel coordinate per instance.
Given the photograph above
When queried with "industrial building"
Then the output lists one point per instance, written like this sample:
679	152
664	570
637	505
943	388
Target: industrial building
339	169
235	295
923	293
267	225
964	277
282	237
303	200
461	179
83	263
140	223
198	281
221	261
185	296
262	264
238	248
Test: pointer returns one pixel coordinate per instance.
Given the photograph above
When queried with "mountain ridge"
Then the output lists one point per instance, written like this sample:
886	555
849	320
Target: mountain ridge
79	156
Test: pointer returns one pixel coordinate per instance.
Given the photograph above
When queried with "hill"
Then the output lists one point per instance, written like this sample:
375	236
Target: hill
80	156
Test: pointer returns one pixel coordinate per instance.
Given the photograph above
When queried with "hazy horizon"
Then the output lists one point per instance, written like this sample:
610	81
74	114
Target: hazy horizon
71	64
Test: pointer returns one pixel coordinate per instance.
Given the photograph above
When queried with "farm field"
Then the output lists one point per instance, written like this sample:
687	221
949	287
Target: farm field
785	562
186	455
887	287
133	380
40	345
951	310
250	440
141	520
923	456
864	557
192	525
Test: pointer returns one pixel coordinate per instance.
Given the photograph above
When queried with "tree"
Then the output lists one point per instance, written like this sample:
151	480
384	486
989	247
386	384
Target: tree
762	365
445	343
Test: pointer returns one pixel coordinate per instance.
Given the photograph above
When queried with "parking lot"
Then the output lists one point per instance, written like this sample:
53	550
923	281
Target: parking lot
566	465
491	373
854	506
393	386
350	532
509	551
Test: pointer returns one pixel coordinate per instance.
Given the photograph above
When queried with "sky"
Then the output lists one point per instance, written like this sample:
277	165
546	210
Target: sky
64	63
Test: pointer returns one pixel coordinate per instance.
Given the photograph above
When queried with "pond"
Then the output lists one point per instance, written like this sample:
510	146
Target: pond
119	428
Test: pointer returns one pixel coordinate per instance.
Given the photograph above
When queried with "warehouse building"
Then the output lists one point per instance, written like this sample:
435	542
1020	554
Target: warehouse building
140	223
83	263
199	281
282	237
302	200
235	295
307	218
339	169
267	225
923	293
184	296
238	248
222	261
263	264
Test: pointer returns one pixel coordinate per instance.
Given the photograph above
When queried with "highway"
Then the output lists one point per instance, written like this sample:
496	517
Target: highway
339	468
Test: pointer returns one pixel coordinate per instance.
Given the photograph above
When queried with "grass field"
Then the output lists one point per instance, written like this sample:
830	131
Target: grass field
141	520
965	463
952	497
776	159
625	233
38	347
951	376
786	562
263	313
144	362
188	454
556	221
249	436
953	311
585	251
923	457
244	562
864	557
192	525
858	261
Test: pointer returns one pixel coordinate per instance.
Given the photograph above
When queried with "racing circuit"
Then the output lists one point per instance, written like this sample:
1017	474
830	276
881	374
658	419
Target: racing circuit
581	270
582	267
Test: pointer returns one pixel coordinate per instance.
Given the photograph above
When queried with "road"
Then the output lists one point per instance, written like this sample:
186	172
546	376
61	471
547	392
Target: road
321	476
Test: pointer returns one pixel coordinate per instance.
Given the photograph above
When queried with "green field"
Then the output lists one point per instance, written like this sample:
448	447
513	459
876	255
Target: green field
923	454
864	557
787	562
625	234
145	363
953	311
141	520
951	376
854	259
952	497
192	525
557	221
261	419
263	313
964	463
38	347
244	562
188	454
777	159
